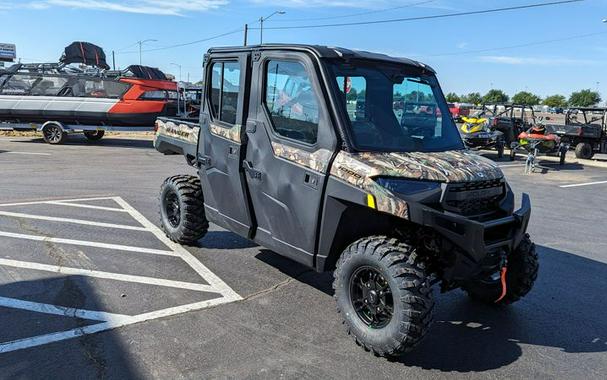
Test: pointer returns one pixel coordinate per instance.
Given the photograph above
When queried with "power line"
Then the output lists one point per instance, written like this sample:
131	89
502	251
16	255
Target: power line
446	15
464	52
411	5
240	30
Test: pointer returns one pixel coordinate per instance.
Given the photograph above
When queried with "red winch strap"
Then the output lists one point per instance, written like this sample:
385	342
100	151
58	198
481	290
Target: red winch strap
82	51
504	286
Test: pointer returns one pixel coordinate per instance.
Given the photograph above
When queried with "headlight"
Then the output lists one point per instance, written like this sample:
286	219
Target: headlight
405	186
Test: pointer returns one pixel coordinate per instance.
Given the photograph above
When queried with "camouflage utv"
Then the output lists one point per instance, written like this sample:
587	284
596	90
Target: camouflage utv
348	161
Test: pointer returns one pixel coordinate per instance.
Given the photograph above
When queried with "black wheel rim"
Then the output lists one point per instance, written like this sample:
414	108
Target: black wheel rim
371	297
53	134
172	209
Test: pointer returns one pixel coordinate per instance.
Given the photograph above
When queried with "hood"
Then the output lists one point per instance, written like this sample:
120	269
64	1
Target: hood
451	166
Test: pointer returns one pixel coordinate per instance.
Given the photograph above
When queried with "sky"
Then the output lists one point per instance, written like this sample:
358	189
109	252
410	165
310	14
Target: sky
547	50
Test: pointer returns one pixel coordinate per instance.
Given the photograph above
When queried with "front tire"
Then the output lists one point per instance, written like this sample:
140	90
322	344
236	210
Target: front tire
523	266
182	214
384	295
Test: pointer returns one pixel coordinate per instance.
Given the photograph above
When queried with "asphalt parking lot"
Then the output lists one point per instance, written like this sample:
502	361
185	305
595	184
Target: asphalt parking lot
90	288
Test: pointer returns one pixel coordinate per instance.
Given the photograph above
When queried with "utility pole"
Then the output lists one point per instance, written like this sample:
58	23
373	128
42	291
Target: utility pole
113	60
246	33
261	21
140	43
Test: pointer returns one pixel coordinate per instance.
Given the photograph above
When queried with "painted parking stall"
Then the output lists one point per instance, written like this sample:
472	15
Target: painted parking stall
42	225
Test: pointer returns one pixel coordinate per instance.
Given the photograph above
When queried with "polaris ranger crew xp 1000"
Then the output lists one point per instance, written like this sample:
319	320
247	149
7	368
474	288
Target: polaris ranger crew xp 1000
349	162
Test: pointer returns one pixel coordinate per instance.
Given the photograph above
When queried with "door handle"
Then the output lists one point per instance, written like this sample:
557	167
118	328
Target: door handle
311	180
248	167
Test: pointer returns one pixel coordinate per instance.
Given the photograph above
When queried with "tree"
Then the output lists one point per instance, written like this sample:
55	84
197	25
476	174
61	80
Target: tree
495	96
525	97
453	98
555	101
352	95
473	97
584	98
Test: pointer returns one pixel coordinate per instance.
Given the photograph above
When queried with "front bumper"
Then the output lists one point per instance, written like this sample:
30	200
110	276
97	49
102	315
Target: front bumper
478	243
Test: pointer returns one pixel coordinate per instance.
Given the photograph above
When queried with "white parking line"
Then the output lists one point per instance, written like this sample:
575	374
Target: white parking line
30	153
85	243
111	321
29	203
511	166
108	275
61	310
185	255
583	184
74	221
62	203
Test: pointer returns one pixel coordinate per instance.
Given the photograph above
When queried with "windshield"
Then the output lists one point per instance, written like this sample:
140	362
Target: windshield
394	109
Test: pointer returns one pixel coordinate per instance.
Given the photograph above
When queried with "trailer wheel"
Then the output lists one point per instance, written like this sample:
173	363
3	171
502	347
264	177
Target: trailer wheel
383	293
53	134
584	150
523	266
182	214
94	135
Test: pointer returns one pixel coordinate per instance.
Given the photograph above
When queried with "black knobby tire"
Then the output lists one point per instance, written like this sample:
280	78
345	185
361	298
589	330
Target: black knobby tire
94	135
500	149
53	134
182	214
584	150
398	267
523	266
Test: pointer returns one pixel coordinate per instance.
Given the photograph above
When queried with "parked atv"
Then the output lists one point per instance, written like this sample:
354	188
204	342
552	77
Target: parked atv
538	141
478	134
382	192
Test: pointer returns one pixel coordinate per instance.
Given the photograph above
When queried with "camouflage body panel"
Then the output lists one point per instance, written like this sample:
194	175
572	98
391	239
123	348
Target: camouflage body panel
232	133
186	132
359	169
317	161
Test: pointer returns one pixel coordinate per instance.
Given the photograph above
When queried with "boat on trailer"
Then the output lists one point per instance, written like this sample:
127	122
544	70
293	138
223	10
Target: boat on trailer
81	94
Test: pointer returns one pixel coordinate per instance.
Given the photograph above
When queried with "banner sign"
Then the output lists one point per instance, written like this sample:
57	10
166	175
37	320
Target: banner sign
8	52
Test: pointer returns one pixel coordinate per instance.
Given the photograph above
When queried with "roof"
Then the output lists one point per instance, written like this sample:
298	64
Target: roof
326	52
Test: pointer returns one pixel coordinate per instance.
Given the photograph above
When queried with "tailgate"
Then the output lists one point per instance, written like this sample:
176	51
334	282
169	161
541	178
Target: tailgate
174	136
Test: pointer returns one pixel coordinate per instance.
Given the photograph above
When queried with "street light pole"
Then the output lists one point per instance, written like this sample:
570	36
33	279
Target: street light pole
178	65
140	43
261	21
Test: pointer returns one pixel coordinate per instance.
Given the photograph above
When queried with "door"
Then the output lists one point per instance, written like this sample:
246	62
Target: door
221	148
290	144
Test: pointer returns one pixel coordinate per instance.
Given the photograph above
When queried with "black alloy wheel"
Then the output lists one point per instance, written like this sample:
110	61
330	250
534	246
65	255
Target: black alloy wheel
371	297
172	208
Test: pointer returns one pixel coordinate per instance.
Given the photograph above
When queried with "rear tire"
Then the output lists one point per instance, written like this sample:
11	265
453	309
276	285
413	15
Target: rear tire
523	266
182	214
94	135
383	276
584	150
53	134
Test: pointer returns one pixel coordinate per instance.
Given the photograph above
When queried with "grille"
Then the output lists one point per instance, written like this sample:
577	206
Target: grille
474	198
